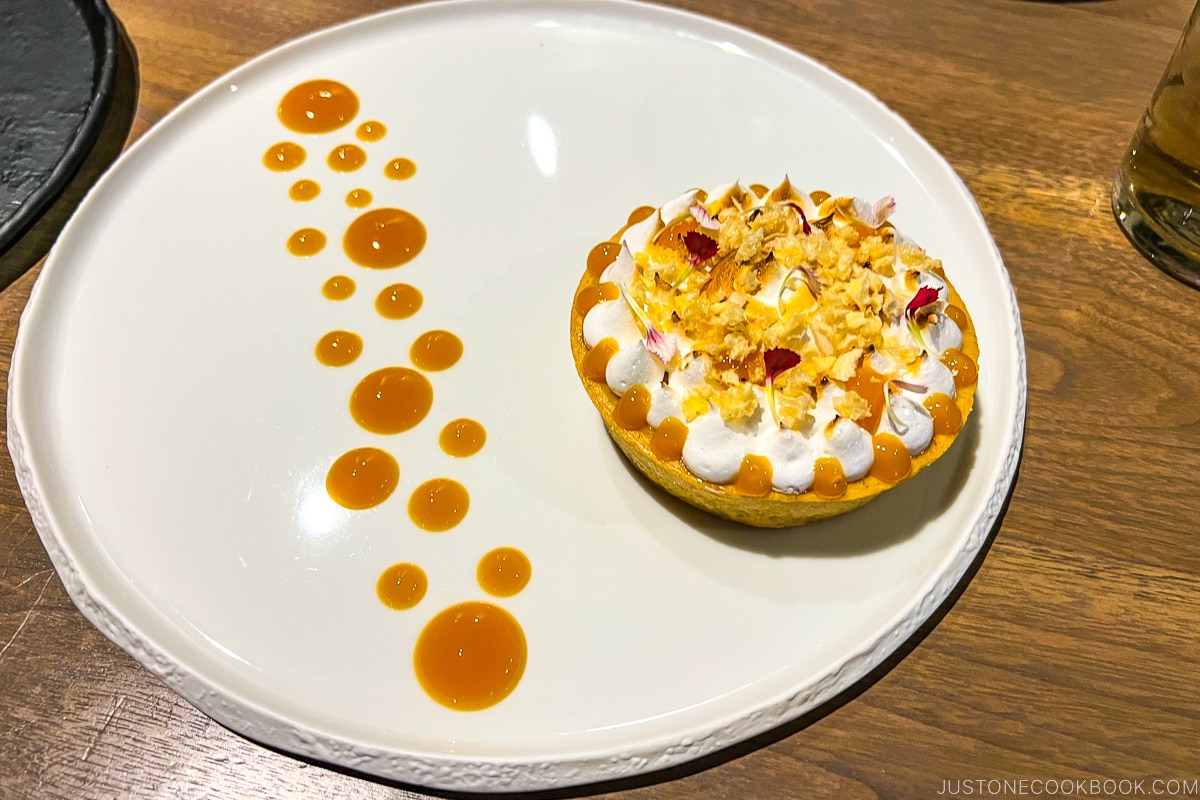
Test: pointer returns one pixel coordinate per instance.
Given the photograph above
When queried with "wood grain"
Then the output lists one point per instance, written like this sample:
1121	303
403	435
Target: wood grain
1071	654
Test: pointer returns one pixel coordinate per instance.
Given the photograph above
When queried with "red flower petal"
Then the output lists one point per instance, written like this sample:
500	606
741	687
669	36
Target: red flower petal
779	360
925	296
803	218
700	247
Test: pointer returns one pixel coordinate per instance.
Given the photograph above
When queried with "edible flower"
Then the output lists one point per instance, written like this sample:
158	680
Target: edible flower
700	247
662	346
900	425
925	296
706	220
803	218
777	361
872	216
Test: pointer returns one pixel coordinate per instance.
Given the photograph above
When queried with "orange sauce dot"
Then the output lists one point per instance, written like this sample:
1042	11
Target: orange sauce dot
462	437
318	106
640	213
759	189
829	479
470	656
339	348
589	296
868	384
391	400
400	169
401	586
947	418
892	462
306	242
339	287
362	478
283	157
304	190
438	505
632	408
958	317
601	256
371	131
358	198
754	476
346	158
398	301
596	360
503	572
434	351
668	439
961	367
384	238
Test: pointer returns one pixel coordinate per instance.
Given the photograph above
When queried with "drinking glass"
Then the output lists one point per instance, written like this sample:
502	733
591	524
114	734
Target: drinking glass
1156	196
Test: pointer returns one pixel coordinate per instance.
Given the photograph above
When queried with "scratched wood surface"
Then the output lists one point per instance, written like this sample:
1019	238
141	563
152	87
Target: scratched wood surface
1073	651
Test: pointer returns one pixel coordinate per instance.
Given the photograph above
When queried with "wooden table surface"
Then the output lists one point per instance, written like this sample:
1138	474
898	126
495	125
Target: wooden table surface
1071	655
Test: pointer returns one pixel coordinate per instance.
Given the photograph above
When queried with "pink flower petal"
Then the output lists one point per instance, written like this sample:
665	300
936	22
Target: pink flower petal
700	247
661	345
700	213
926	295
779	360
803	218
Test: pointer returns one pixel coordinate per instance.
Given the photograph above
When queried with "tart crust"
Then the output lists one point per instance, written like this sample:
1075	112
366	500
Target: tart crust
775	509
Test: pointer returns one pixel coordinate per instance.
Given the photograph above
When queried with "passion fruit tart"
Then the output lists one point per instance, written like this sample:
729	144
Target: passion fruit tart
771	356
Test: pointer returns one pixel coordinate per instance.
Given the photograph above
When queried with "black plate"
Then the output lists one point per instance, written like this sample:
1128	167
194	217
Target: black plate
58	64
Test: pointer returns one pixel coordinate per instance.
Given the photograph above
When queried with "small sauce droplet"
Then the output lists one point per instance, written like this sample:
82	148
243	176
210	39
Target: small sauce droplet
371	131
400	169
384	238
391	400
306	242
402	586
958	317
892	462
596	360
829	479
759	189
961	367
601	256
358	198
754	476
591	295
632	409
947	418
462	437
438	505
339	287
339	348
668	439
470	656
304	190
398	301
434	351
503	572
318	106
284	156
868	384
346	158
362	478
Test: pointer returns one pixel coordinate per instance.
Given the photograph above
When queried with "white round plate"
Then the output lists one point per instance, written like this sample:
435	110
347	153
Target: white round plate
172	428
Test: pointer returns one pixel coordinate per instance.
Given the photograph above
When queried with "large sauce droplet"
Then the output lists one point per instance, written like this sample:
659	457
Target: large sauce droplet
362	478
503	572
318	106
601	256
401	586
434	351
470	656
892	462
462	437
668	439
384	238
438	505
391	400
